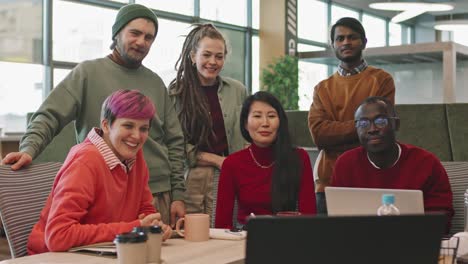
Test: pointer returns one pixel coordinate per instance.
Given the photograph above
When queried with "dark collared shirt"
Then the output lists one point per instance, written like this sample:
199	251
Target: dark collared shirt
344	72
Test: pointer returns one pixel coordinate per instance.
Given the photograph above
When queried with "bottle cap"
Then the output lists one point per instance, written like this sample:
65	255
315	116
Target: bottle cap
131	237
388	199
148	229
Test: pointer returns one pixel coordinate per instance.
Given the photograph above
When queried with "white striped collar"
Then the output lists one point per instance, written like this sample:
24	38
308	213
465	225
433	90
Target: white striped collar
95	136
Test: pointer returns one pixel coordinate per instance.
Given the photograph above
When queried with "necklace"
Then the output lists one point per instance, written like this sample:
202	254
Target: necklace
258	164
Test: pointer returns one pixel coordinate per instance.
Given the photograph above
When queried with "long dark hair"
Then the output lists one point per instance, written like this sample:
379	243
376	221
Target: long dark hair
194	112
286	176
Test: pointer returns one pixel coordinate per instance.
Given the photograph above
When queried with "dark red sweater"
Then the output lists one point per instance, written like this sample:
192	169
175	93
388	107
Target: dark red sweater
416	169
218	140
241	177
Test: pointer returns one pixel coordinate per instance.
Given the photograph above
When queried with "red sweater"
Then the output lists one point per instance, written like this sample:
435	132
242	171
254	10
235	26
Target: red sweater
89	203
242	178
417	169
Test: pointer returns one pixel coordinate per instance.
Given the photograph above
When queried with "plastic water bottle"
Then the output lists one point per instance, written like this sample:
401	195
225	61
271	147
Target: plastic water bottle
388	206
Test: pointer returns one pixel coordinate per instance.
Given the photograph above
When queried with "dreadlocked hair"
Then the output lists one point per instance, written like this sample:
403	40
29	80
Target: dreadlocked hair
194	114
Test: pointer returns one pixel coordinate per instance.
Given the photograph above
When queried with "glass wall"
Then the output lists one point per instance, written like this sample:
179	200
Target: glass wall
164	54
315	18
310	74
338	12
375	31
307	22
81	30
21	72
184	7
460	37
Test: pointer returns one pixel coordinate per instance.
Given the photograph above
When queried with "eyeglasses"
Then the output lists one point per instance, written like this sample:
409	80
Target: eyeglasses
379	122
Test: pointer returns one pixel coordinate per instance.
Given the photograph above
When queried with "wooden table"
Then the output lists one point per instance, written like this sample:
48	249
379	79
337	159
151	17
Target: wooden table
173	251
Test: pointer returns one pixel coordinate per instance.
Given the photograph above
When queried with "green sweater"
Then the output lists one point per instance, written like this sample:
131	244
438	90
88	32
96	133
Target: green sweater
79	97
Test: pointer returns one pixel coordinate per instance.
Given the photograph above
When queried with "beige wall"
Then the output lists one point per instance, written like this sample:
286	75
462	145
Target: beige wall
272	31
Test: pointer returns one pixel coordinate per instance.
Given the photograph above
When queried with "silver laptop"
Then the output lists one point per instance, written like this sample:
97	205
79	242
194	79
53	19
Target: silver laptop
365	201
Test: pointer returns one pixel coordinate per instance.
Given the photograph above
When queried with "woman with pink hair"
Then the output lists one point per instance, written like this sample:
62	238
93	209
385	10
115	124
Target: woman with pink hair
102	188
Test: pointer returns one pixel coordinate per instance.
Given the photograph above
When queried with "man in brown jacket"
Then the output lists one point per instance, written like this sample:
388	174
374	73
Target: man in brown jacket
331	115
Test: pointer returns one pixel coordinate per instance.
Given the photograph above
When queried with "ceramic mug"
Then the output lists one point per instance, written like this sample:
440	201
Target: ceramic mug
196	227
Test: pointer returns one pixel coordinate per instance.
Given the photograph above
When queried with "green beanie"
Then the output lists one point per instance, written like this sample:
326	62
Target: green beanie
132	11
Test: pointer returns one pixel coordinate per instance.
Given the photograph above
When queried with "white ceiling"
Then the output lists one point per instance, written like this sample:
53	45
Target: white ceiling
460	9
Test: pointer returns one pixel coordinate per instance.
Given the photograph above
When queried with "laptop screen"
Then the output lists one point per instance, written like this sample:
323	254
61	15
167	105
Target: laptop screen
346	239
366	201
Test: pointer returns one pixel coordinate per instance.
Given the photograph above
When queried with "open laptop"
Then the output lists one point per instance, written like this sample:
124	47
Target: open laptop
346	239
366	201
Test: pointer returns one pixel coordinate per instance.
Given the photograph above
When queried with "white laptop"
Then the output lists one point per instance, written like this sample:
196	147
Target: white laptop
365	201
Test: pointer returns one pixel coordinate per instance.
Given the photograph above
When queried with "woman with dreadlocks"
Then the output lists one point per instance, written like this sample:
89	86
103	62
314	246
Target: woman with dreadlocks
208	106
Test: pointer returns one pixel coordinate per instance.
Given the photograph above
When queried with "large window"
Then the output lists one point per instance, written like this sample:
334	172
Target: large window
338	12
20	34
310	74
375	31
21	88
178	6
21	75
395	37
312	20
313	31
460	37
228	11
59	75
81	30
255	64
256	14
164	54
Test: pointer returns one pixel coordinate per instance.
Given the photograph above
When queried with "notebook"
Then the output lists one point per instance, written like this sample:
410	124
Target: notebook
366	201
99	248
345	239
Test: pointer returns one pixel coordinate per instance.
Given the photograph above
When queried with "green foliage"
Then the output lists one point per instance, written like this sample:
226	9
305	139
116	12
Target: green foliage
281	78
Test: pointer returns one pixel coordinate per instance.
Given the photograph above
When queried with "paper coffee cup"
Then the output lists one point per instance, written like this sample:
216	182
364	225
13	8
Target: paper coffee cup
154	242
131	248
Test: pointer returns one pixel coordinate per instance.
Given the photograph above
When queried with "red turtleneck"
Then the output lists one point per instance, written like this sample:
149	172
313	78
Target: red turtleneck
241	177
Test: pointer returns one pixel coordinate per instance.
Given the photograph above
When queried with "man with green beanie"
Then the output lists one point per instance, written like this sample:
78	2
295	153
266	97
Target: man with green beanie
80	95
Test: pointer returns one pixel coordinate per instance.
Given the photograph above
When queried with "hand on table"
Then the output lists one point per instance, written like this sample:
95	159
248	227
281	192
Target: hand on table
155	219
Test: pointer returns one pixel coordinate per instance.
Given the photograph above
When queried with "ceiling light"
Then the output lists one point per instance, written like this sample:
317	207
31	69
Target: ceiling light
405	15
452	25
409	9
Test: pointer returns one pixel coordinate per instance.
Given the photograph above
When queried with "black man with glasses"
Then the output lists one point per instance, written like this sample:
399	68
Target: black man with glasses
382	162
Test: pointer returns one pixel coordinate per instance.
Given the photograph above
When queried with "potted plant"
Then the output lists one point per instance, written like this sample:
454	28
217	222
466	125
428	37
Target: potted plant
281	78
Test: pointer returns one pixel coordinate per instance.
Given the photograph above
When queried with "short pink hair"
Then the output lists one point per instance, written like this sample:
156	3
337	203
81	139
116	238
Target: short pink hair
127	104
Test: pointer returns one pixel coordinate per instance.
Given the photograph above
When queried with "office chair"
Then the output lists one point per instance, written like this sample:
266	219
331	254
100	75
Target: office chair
23	194
458	176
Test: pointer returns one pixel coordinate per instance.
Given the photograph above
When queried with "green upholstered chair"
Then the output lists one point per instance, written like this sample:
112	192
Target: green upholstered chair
422	125
457	118
425	126
299	129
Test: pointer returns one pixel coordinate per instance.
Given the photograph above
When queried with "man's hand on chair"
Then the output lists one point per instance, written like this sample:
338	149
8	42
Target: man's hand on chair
17	160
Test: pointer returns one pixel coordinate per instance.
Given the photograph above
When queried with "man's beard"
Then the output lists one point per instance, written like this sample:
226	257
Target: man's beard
349	59
124	55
